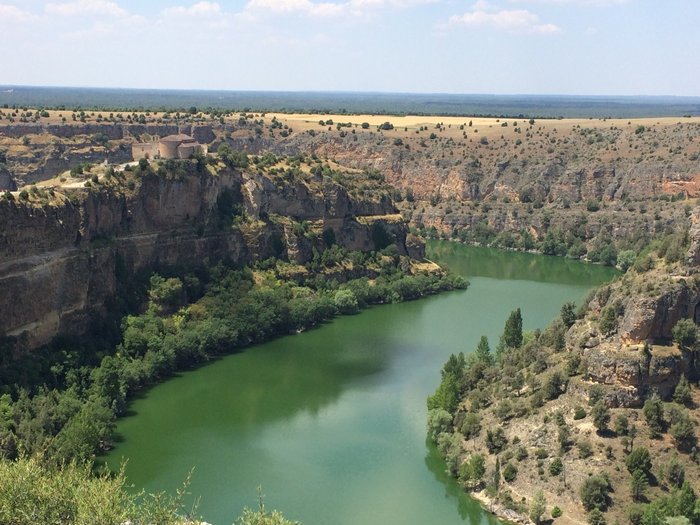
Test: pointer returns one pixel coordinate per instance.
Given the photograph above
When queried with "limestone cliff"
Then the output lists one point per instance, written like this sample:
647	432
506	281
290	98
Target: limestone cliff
625	338
60	257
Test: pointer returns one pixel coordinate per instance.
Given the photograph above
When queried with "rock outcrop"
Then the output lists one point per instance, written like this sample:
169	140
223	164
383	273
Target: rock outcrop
7	183
61	262
638	356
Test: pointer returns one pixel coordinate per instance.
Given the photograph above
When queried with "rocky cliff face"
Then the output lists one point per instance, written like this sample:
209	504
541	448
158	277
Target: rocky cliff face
60	261
7	182
636	356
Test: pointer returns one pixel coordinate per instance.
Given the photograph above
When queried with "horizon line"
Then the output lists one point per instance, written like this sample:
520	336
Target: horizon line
4	88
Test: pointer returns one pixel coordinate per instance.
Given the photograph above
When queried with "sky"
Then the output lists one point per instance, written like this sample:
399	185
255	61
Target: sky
573	47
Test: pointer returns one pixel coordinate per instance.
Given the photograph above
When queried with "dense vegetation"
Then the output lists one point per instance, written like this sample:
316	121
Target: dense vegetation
60	403
523	412
577	241
370	103
32	493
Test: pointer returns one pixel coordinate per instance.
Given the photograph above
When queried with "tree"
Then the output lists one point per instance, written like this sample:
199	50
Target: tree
497	474
639	460
685	334
483	351
471	426
601	416
608	320
625	259
595	517
654	415
621	425
439	421
513	330
496	440
675	472
448	394
472	471
538	507
682	392
345	301
638	485
556	467
568	313
510	472
683	432
594	492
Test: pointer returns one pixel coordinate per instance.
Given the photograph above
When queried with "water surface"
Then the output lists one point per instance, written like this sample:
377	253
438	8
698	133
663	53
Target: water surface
331	422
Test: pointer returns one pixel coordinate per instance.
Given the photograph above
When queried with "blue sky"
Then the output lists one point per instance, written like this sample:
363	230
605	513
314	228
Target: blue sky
589	47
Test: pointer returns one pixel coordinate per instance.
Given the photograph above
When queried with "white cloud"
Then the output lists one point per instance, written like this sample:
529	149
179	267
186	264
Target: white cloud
11	13
585	3
328	9
200	9
98	29
512	20
87	7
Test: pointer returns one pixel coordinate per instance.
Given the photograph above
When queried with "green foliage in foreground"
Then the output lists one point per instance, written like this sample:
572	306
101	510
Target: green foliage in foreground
32	493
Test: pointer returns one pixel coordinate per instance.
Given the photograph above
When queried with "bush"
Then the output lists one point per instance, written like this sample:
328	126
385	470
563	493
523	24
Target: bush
675	472
472	471
594	492
654	415
638	485
608	320
556	512
439	421
595	517
471	426
685	334
639	460
556	467
585	449
682	392
579	413
592	205
510	472
345	302
683	432
601	416
496	440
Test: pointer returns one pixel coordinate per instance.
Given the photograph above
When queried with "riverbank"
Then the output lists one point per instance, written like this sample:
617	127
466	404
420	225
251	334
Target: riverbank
323	419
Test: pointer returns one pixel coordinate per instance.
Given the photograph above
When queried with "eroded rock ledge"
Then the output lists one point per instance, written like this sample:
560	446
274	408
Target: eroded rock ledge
60	259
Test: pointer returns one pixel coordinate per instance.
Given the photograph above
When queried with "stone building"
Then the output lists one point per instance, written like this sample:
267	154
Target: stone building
178	146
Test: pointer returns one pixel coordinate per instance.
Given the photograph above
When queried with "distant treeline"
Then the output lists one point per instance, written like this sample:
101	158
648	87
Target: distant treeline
520	106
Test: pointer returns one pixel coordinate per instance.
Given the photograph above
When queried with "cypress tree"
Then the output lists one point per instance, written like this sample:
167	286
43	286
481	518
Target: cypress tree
513	331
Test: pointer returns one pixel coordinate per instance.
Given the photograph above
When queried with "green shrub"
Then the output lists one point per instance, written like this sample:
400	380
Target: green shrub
594	492
556	467
510	472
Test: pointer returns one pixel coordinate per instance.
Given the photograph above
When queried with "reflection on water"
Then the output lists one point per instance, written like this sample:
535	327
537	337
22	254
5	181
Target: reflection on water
500	264
331	422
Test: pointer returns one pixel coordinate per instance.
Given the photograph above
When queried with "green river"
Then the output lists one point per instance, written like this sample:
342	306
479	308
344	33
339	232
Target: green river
331	422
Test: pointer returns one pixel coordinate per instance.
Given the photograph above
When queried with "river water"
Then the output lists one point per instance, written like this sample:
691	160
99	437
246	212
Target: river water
331	422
